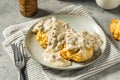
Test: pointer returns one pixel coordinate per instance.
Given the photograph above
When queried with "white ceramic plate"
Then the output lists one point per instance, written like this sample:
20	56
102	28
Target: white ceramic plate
76	22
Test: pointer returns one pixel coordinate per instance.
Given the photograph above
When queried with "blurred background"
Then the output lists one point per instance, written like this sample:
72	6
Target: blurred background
10	14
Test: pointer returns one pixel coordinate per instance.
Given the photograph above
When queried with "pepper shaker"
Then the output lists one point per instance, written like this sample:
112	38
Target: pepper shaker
28	8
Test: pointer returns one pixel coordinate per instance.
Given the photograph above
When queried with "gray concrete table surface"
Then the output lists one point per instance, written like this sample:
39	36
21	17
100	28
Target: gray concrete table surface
9	15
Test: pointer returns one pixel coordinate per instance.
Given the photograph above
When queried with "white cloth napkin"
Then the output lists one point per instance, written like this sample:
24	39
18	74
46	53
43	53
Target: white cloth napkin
36	71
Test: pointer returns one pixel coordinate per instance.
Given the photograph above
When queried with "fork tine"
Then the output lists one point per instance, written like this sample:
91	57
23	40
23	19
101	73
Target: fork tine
13	46
20	50
16	52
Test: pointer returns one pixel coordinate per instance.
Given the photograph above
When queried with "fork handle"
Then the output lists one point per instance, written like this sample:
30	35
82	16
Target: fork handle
21	77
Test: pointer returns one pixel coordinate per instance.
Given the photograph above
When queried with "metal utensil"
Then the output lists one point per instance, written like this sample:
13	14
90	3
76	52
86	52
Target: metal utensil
19	57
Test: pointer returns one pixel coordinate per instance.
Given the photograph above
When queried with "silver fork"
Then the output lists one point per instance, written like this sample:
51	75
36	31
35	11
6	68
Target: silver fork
19	57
